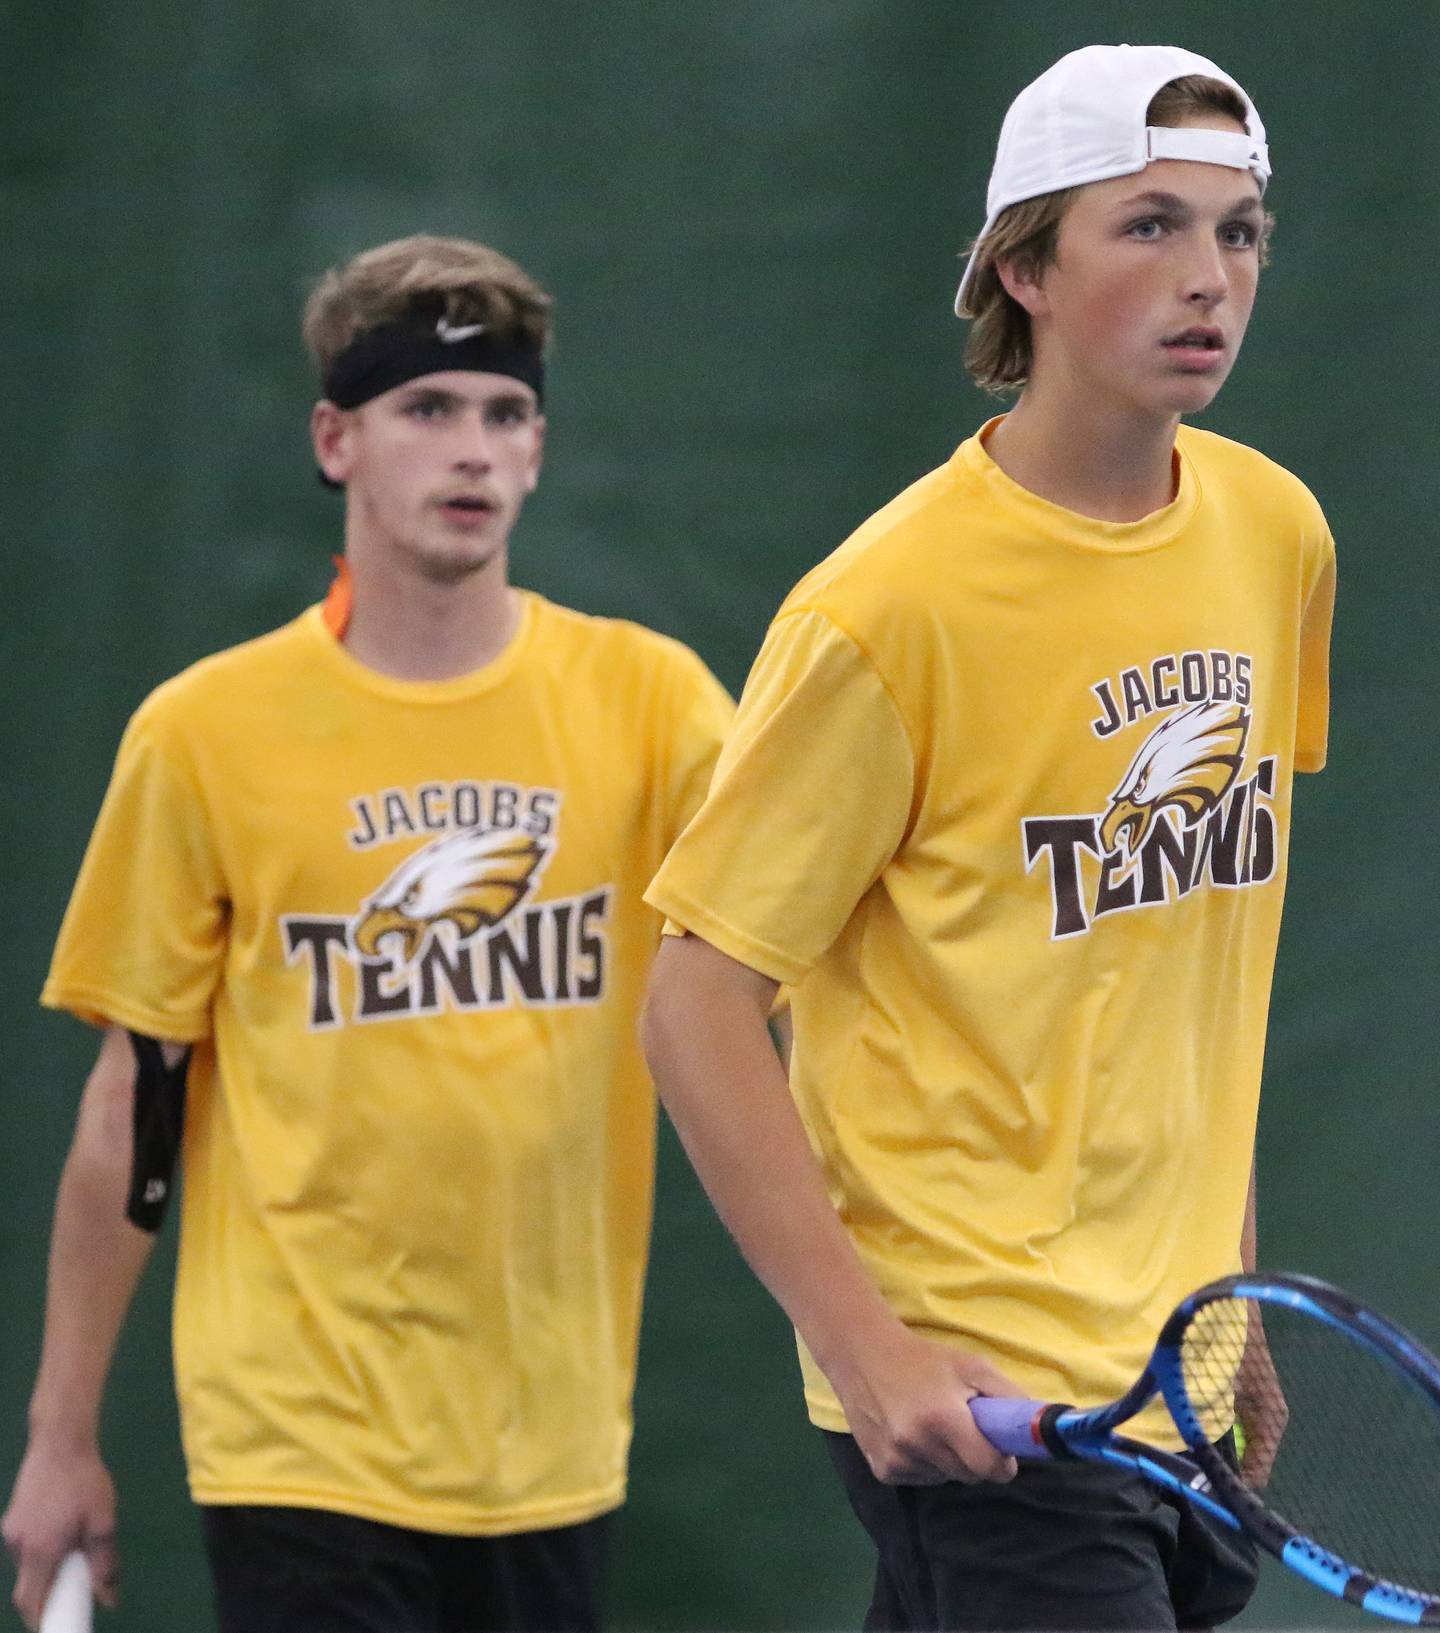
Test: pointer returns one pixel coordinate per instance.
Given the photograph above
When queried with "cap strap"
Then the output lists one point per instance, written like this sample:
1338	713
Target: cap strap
1234	148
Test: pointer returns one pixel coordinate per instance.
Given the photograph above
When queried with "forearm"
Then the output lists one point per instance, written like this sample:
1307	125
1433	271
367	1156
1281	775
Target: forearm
63	1496
96	1256
96	1260
905	1398
714	1062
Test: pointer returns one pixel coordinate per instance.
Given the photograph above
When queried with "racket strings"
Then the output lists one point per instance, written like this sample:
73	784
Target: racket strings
1337	1441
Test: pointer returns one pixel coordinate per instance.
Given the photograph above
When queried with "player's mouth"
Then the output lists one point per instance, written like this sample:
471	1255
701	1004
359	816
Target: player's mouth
467	509
1196	349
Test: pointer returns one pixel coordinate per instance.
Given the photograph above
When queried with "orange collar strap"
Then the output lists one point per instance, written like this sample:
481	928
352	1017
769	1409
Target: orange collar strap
339	599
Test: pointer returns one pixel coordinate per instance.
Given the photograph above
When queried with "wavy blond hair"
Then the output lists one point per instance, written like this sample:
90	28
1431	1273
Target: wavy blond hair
476	284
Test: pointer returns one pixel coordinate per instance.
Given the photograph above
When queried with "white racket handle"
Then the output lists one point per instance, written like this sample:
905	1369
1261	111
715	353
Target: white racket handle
69	1609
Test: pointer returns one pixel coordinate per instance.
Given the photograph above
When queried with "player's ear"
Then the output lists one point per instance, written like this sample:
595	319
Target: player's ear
330	438
537	457
1022	278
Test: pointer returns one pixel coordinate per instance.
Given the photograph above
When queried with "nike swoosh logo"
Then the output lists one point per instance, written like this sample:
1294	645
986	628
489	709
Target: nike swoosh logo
457	331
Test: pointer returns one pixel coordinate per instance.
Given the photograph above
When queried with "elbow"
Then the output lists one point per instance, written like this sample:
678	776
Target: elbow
677	1009
104	1128
656	1017
102	1150
699	1001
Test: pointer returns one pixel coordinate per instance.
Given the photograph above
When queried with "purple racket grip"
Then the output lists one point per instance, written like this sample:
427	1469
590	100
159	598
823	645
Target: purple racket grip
1009	1425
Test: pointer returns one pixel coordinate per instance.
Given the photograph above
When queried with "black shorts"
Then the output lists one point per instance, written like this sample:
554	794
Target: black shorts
301	1570
1072	1546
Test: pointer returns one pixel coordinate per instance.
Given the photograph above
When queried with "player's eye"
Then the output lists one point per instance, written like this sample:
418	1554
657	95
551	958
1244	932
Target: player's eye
1146	229
1239	235
509	413
427	408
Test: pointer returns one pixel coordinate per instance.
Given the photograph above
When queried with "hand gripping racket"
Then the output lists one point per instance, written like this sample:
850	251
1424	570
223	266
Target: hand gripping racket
1340	1413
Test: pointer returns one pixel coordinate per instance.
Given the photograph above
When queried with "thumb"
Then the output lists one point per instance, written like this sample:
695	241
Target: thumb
984	1379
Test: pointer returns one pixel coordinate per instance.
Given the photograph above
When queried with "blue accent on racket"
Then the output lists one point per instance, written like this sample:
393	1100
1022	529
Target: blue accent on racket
1341	1412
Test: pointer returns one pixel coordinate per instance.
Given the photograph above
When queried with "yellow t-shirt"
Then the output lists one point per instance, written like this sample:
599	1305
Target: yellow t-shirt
1007	800
403	925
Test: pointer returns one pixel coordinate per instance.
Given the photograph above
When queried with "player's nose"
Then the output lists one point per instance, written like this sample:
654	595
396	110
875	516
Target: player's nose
474	446
1206	277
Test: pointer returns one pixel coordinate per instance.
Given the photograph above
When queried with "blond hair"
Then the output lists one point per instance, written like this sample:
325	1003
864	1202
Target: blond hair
473	283
998	350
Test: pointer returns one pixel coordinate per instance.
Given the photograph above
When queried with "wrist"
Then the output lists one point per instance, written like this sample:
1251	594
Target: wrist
64	1427
862	1349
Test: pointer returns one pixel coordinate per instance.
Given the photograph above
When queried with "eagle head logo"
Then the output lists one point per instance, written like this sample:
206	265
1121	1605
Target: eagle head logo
1189	762
468	879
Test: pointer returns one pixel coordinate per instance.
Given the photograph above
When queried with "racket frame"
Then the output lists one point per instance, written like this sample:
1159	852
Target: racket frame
1357	1322
1034	1429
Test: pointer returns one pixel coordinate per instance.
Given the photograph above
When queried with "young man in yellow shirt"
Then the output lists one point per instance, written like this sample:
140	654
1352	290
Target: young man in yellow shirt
363	907
1007	804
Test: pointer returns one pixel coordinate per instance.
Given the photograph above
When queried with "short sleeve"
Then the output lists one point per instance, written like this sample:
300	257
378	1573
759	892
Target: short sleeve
1312	725
811	798
703	715
143	938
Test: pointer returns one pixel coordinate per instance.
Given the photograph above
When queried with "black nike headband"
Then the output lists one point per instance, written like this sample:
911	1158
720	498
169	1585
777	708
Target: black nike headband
379	359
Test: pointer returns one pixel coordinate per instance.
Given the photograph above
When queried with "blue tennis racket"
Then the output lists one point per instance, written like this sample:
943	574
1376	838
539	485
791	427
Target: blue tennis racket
1339	1410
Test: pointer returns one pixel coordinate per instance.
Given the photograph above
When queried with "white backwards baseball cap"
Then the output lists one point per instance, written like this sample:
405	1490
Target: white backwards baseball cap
1084	120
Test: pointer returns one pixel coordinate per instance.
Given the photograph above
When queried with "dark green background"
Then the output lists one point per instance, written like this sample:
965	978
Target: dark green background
750	215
